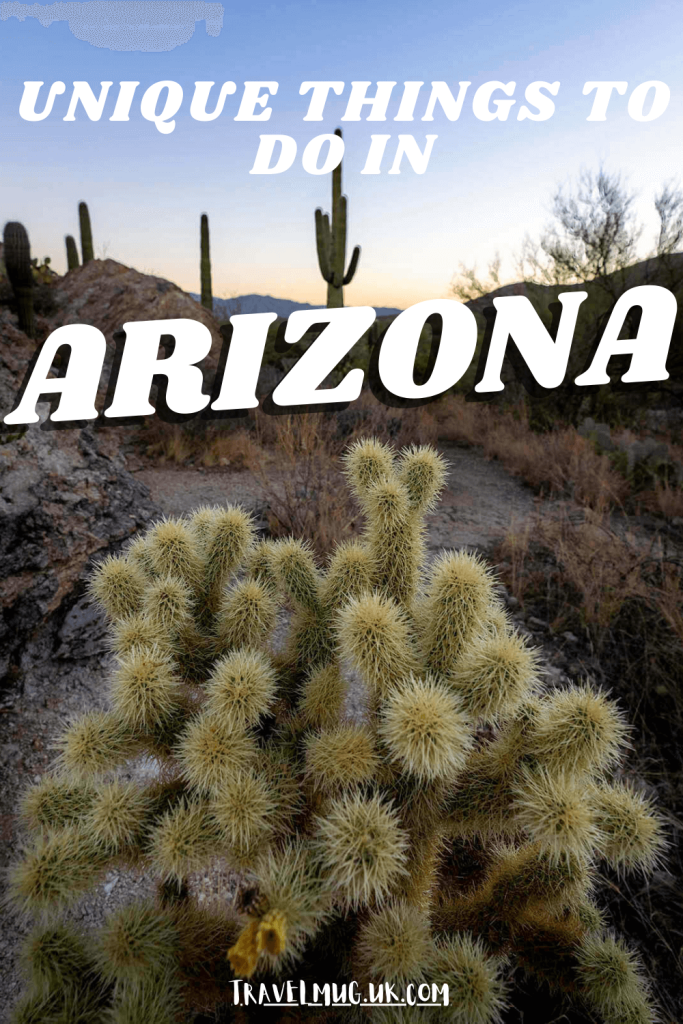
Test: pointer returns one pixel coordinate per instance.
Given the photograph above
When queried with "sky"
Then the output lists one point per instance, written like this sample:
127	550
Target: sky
487	184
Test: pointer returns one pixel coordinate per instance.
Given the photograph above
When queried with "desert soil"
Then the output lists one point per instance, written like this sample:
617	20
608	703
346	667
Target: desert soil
64	669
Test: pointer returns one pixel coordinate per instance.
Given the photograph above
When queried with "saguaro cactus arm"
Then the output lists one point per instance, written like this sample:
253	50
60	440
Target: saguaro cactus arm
355	256
322	243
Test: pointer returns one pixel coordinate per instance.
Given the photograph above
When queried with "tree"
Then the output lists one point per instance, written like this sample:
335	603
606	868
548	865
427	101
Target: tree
594	237
466	286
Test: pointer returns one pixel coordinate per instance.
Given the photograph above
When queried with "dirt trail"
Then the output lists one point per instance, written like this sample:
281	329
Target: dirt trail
479	503
65	669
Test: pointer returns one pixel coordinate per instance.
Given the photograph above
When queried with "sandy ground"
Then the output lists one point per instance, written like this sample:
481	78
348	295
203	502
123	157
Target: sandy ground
479	503
65	669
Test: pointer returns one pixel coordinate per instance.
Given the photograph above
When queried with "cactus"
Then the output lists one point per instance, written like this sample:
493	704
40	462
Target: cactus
17	256
87	252
448	827
330	240
72	260
205	265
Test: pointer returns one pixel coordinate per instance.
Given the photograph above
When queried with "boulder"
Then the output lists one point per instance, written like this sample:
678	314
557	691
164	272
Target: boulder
65	496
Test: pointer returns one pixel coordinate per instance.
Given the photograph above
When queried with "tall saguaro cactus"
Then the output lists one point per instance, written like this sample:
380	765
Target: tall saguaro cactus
330	239
17	256
86	233
205	265
72	260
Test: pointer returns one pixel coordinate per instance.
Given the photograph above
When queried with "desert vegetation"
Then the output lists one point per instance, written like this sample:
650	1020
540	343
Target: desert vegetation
450	826
592	579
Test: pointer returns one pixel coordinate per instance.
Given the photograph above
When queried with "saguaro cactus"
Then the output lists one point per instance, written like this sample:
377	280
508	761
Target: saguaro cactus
205	265
330	240
17	254
86	233
442	825
72	260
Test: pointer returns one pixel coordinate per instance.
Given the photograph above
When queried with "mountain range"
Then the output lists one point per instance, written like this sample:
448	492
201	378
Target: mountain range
223	308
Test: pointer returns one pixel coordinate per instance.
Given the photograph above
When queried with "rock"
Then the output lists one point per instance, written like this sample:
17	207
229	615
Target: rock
663	419
570	638
65	496
109	884
603	438
598	432
10	753
108	294
83	631
648	451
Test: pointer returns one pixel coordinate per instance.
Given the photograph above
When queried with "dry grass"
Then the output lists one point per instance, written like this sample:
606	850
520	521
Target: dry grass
515	552
559	463
299	474
236	450
622	599
297	462
213	445
583	564
604	567
295	459
664	500
168	443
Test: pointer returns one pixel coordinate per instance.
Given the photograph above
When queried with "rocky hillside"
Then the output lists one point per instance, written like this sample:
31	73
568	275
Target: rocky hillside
66	494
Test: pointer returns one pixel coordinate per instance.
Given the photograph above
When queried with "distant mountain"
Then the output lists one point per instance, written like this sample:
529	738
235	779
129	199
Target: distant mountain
223	308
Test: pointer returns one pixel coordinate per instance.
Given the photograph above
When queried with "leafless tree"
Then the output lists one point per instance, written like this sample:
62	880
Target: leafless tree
594	236
669	207
466	286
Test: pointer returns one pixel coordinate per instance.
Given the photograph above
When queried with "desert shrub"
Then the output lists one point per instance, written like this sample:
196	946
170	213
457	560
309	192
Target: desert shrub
298	471
666	499
236	449
353	835
297	466
558	462
600	571
232	445
621	598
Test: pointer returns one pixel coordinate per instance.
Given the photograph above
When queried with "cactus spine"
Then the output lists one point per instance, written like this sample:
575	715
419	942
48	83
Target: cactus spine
72	260
205	265
447	826
86	233
330	240
17	255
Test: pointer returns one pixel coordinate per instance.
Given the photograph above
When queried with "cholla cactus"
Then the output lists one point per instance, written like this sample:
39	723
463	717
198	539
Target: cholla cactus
445	825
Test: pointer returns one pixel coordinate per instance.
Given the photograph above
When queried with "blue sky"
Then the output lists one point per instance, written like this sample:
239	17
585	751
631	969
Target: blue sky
487	184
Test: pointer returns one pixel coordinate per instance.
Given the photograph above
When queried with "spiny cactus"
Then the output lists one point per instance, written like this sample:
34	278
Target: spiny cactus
443	824
330	241
205	265
17	256
87	252
72	261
